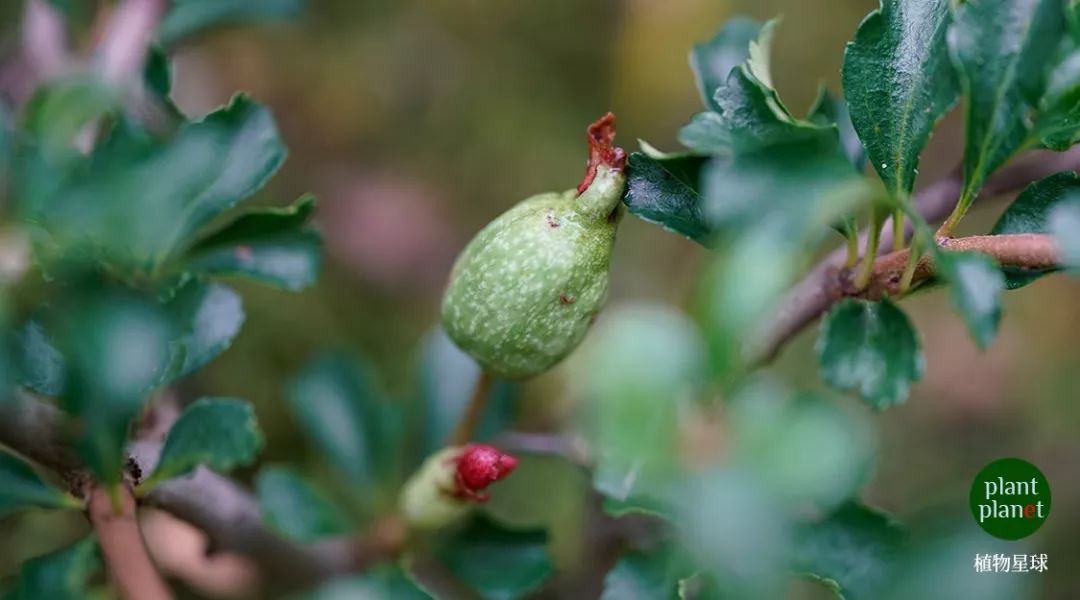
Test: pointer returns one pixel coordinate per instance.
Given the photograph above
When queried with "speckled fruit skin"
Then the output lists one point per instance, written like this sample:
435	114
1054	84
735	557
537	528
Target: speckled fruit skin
525	290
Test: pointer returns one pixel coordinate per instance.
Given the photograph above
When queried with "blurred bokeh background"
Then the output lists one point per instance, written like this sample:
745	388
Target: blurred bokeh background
415	122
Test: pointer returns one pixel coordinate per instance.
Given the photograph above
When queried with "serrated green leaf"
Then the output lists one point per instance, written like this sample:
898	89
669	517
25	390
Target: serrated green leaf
1002	51
870	348
713	61
60	575
338	403
1065	227
898	83
648	575
188	18
447	377
665	191
295	508
220	433
831	110
271	246
853	547
1030	213
379	583
976	286
41	366
117	346
20	487
208	317
500	564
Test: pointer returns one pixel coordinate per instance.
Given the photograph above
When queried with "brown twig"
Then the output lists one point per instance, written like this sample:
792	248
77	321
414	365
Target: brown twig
466	427
819	289
122	545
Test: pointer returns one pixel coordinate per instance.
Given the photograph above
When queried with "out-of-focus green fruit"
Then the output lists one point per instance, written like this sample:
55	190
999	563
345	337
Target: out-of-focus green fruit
525	290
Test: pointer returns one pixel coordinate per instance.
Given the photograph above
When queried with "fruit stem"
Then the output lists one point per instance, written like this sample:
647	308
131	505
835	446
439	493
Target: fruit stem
466	427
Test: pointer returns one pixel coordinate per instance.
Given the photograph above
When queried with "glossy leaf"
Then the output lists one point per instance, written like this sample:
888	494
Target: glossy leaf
447	377
1057	125
713	61
1002	51
1065	227
220	433
898	82
870	348
500	564
652	574
188	18
382	582
295	508
665	191
20	488
60	575
852	550
41	366
976	287
271	246
208	317
1030	213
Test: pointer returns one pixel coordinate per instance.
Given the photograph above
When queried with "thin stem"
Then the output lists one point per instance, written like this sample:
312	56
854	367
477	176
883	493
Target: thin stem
898	229
877	219
947	228
122	545
912	265
466	428
852	235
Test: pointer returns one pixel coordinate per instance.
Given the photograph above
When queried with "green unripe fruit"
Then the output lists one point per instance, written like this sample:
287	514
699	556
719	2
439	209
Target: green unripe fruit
524	291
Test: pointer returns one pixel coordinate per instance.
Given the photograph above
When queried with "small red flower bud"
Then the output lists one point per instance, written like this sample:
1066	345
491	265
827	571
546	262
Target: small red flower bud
480	466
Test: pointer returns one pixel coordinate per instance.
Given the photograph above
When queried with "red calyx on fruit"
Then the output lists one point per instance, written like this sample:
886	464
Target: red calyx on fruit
478	467
601	135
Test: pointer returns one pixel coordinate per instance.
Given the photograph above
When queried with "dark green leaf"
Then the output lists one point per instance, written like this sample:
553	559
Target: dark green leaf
647	575
271	246
1030	213
60	575
208	317
447	378
851	549
830	110
1065	227
295	508
1057	126
20	487
191	17
117	346
379	583
666	192
977	284
338	403
221	433
499	563
41	366
712	61
706	133
898	83
1002	50
870	348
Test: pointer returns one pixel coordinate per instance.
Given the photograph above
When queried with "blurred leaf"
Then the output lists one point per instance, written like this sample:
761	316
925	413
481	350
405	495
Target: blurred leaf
706	133
801	448
870	348
647	575
20	487
447	377
499	563
665	191
853	548
295	508
188	18
977	284
60	575
379	583
640	365
1057	126
1002	50
1065	227
271	246
831	110
41	366
208	317
117	348
337	402
158	79
60	110
713	61
220	433
1030	213
898	82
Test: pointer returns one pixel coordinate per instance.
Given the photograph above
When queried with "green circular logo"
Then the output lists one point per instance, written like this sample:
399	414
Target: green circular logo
1010	498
